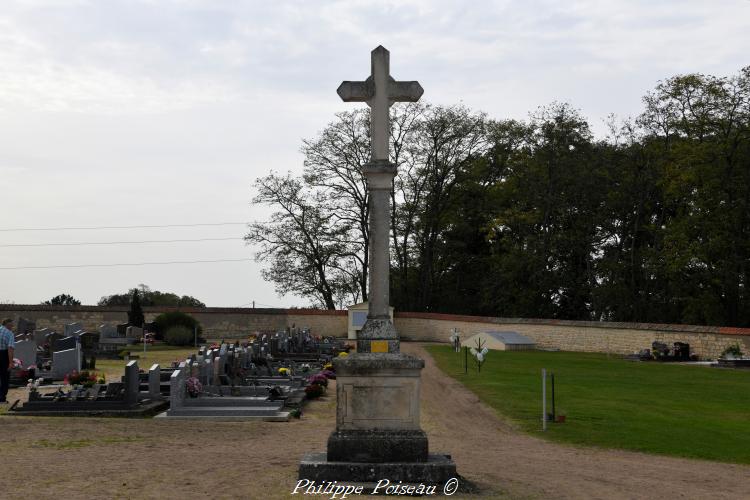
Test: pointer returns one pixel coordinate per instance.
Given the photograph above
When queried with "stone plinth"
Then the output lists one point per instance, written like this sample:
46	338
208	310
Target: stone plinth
437	469
377	415
377	434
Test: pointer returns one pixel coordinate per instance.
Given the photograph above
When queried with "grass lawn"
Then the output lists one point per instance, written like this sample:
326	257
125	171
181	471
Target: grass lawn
688	411
162	354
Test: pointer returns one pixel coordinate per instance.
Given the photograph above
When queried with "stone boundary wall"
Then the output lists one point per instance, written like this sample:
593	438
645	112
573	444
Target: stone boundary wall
708	342
237	323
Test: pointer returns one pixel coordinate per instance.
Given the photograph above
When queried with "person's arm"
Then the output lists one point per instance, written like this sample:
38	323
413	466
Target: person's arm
11	352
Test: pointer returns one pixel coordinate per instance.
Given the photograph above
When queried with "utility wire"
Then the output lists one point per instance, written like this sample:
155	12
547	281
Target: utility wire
119	227
112	242
125	264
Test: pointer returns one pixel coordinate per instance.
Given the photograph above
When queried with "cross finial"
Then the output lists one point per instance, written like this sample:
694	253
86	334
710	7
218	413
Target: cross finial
379	91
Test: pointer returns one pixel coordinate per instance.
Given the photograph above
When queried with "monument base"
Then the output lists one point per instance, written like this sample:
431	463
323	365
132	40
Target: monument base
365	446
437	470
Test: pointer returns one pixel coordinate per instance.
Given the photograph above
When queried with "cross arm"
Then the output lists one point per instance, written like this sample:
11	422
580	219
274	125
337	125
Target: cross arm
404	91
356	91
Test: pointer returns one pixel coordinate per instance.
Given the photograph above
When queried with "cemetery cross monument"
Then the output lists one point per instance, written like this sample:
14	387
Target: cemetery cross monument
378	434
379	91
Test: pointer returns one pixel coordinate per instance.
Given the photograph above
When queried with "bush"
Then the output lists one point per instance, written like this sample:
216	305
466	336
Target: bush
733	351
179	335
165	321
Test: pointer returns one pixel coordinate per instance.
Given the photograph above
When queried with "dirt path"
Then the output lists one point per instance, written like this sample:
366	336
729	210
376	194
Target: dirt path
491	453
72	458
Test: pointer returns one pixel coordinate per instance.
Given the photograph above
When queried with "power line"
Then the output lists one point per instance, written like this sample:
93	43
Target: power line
113	242
125	264
119	227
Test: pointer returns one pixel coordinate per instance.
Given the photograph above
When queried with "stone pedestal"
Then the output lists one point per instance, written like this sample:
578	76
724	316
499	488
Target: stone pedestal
377	434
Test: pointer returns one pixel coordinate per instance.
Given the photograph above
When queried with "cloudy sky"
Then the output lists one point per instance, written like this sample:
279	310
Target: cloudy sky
162	113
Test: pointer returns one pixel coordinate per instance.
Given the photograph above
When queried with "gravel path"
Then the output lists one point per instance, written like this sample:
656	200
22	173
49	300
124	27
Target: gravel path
71	458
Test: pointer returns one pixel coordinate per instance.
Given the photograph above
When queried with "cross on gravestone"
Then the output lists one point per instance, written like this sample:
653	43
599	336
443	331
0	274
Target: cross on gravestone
379	91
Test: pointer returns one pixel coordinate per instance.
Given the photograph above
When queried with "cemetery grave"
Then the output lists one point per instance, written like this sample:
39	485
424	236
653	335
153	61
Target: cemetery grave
87	395
261	380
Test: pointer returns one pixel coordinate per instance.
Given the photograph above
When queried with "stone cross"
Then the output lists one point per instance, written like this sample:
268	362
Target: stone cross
379	91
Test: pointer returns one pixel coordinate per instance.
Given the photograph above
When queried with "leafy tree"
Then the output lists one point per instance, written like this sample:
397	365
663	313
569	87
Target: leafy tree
150	297
532	218
166	321
62	300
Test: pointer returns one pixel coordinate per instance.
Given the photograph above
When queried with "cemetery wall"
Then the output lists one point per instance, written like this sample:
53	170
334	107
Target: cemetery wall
708	342
587	336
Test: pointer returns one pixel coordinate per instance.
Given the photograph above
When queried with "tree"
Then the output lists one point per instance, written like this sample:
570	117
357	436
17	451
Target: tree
701	125
62	300
432	144
303	241
135	314
150	297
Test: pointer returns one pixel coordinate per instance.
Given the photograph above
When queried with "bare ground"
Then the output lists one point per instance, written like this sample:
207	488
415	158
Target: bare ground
154	458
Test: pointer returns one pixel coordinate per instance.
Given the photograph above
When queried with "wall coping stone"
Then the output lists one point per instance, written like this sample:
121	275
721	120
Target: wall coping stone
720	330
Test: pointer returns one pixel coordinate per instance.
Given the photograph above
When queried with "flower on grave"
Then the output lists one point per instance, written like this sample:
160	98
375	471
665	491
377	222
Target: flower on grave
318	379
314	391
17	365
193	386
473	351
329	367
480	357
33	385
328	374
84	378
343	354
101	379
485	351
284	371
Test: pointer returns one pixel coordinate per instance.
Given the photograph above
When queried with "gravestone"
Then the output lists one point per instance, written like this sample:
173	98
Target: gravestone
64	344
51	338
378	433
131	382
71	329
40	336
133	332
177	388
64	362
154	382
25	351
89	346
108	331
25	327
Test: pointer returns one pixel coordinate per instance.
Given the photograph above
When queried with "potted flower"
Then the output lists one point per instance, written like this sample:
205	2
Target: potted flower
193	386
318	379
284	372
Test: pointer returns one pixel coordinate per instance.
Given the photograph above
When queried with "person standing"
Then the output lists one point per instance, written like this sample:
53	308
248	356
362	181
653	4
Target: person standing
7	345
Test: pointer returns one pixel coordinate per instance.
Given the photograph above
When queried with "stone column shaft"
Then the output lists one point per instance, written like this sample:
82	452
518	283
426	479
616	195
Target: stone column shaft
378	327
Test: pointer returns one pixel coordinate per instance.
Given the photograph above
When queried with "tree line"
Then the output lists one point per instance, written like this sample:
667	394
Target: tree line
534	218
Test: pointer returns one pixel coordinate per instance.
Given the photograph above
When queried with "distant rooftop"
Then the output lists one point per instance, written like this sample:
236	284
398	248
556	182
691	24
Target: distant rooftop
510	338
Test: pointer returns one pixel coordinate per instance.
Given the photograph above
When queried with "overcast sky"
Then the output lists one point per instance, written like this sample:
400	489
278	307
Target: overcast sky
155	112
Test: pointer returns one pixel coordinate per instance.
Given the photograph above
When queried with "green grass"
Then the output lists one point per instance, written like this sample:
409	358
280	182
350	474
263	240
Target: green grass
688	411
162	354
